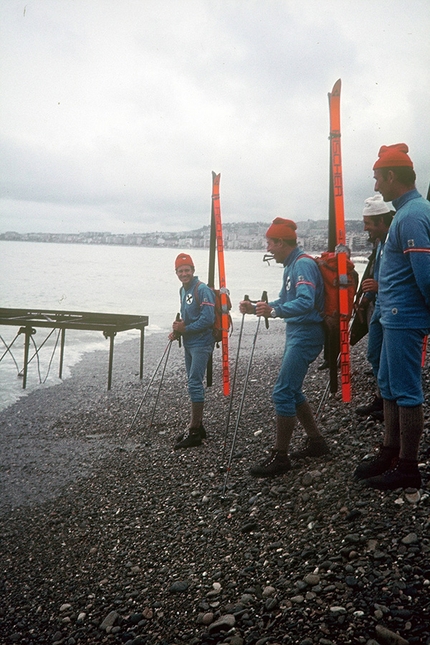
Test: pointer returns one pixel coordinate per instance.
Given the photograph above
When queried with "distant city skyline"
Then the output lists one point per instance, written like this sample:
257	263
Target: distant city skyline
312	235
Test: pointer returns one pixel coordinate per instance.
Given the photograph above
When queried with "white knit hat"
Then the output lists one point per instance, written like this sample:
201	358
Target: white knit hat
375	205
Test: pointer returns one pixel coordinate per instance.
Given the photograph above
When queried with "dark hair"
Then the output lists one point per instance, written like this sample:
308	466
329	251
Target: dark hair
387	218
404	174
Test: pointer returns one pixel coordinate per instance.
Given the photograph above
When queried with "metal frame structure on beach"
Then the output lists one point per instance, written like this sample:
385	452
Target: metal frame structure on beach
109	324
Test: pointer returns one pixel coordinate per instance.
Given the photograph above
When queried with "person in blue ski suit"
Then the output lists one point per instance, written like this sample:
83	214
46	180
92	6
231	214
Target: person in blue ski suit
196	330
377	218
404	301
301	305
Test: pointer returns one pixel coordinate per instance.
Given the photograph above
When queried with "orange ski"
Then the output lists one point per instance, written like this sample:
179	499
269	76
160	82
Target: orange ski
336	190
216	214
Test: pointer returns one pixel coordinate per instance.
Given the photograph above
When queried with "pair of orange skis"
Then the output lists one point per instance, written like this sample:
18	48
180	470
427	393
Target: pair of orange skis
216	248
337	243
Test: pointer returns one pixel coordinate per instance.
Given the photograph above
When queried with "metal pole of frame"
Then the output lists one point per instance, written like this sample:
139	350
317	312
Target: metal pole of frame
28	331
63	337
142	344
111	335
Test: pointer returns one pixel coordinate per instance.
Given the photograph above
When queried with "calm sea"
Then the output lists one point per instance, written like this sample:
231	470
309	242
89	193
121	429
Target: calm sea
108	279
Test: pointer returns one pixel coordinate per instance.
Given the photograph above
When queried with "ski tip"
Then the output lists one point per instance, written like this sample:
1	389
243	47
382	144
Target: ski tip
336	88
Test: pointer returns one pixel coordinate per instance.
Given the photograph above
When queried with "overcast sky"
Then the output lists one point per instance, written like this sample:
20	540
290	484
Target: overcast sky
114	113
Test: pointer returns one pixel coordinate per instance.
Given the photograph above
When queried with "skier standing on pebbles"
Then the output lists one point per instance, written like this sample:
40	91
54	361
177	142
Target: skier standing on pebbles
300	302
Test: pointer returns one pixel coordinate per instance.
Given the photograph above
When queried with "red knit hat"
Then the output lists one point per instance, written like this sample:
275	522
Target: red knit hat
284	229
393	156
183	259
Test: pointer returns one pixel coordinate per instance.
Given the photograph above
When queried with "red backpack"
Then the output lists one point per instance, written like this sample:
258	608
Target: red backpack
217	326
327	264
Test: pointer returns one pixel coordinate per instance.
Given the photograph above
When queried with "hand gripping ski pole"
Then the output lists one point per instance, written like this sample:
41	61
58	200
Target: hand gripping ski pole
239	413
168	346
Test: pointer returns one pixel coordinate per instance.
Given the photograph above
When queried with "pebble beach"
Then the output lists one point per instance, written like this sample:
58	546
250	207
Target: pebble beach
108	535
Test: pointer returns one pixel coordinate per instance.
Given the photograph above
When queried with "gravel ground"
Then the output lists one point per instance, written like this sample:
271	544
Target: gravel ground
108	535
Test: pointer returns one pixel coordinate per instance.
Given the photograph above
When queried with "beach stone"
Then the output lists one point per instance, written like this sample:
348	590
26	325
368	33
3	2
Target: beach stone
179	586
224	622
337	610
65	607
312	579
246	599
236	640
411	538
249	526
109	620
388	637
412	495
297	600
308	479
208	618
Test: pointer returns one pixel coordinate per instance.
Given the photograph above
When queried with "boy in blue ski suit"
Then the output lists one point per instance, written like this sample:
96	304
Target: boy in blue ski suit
196	330
404	301
300	303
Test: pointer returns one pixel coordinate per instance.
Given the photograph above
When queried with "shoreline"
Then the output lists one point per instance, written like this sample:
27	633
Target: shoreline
109	535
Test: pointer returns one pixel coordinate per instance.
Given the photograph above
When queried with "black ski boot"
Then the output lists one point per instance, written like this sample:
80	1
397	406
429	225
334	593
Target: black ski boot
191	440
201	430
384	460
276	463
313	447
404	475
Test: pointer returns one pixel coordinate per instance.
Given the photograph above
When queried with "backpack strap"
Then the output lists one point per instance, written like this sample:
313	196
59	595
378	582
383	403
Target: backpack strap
306	255
196	291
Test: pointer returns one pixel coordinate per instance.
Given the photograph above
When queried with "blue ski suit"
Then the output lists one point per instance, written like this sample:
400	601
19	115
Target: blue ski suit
300	303
404	300
198	314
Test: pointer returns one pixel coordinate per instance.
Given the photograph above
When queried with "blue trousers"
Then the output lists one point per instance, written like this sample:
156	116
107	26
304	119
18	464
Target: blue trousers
302	346
196	360
399	376
374	342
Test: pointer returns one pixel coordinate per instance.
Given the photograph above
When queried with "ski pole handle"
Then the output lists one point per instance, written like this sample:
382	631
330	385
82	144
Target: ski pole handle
265	299
178	336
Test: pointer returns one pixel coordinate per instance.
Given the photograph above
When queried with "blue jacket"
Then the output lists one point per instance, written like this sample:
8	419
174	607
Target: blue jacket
198	313
301	299
404	272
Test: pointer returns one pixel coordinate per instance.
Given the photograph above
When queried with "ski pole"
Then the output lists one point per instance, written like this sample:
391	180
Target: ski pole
239	413
159	387
323	398
233	383
178	318
169	344
265	299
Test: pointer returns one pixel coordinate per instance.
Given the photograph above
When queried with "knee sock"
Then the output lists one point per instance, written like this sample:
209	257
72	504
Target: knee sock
284	431
306	418
411	429
392	424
